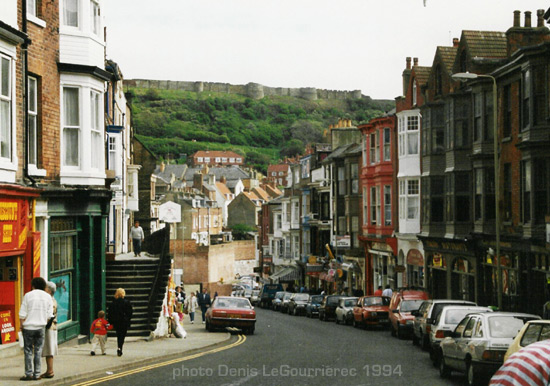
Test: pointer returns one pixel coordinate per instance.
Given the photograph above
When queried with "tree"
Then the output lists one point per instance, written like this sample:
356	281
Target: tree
241	231
292	148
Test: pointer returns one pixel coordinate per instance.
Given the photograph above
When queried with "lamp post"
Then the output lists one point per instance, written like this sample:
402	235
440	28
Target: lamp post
465	76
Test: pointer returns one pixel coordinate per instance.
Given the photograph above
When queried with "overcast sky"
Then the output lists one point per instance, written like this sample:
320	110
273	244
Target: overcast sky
328	44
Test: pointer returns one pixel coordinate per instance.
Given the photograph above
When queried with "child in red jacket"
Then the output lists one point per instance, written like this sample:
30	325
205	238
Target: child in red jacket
99	329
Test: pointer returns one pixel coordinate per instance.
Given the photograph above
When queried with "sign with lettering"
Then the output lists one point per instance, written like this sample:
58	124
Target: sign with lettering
8	329
170	212
14	224
414	257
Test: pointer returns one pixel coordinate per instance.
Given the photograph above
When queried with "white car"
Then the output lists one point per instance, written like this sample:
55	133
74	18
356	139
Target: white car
344	310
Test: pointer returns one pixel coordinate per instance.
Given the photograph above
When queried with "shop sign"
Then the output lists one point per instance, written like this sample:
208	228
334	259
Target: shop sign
414	257
268	259
13	224
437	260
399	268
382	247
8	330
343	241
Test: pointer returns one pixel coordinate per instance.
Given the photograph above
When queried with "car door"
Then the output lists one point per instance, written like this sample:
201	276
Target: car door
463	344
357	310
449	346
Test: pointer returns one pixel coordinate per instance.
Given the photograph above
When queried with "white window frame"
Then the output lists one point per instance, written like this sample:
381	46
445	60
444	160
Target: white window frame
409	130
95	130
112	152
33	120
64	16
409	199
6	100
77	128
31	8
387	143
95	17
387	205
375	205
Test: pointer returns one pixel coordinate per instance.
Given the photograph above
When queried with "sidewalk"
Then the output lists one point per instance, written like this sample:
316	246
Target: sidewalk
75	362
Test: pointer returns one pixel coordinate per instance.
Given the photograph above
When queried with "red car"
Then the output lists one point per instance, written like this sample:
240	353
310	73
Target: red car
229	311
371	311
403	302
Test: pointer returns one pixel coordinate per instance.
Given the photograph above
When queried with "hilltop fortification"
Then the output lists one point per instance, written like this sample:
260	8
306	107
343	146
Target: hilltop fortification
251	90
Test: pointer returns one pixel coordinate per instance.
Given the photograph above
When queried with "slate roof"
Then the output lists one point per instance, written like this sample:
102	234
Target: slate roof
231	173
177	170
421	74
486	44
343	151
223	188
448	55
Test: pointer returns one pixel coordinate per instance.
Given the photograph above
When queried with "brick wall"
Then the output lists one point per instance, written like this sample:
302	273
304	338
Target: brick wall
244	250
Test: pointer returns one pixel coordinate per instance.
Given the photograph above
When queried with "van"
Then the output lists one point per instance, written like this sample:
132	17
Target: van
267	294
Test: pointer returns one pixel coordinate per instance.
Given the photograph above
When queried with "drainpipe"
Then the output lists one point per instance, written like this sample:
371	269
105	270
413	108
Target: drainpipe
26	97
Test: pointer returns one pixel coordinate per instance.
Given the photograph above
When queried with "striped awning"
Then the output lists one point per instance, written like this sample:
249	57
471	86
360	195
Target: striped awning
286	274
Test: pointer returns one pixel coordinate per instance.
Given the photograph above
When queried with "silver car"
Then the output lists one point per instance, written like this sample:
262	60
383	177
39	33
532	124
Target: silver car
344	311
445	323
478	344
426	315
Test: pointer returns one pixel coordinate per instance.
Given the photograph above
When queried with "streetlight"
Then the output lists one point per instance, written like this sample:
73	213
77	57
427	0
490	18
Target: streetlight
463	77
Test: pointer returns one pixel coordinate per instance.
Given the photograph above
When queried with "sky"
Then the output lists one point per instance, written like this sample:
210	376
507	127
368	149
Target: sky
327	44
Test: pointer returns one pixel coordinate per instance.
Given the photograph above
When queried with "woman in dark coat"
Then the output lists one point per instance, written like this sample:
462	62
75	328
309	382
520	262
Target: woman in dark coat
120	316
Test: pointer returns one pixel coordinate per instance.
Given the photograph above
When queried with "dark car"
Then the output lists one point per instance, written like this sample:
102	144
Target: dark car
297	304
312	306
267	294
284	302
277	300
327	309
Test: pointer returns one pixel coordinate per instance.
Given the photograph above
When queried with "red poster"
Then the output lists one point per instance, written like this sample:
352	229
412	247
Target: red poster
8	330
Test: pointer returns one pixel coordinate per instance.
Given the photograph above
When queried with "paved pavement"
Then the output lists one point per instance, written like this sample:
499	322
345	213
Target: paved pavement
75	362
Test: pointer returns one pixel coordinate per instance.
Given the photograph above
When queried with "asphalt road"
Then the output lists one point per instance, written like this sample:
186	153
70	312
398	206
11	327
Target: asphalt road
290	350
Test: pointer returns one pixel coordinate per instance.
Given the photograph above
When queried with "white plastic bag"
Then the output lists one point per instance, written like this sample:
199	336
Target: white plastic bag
21	341
177	328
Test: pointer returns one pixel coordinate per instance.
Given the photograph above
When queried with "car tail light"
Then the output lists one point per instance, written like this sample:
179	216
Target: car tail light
493	355
428	328
249	316
439	334
219	313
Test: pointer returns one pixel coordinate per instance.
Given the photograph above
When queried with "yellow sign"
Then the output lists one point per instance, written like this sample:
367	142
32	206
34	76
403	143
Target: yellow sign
8	211
7	232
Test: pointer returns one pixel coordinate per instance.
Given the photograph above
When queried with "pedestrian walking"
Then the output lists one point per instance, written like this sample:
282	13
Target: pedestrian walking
50	339
379	291
137	236
387	291
191	306
178	304
120	316
204	302
35	312
99	329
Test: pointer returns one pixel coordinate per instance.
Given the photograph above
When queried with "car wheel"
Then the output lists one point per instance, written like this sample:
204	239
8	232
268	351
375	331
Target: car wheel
250	331
414	339
337	320
209	327
444	370
473	376
294	312
425	342
399	333
392	330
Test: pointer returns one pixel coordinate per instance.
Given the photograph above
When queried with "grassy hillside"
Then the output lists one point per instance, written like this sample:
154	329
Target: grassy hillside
173	122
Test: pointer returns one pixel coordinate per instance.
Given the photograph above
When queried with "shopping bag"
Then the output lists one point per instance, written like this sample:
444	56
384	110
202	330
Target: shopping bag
21	341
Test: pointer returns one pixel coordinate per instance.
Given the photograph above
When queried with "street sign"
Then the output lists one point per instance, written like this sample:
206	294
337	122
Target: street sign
170	212
343	241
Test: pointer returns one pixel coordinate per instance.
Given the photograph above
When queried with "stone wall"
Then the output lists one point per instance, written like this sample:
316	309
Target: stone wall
251	90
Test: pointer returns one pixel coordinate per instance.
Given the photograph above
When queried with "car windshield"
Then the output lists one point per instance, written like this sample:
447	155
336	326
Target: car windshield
350	302
332	301
376	301
506	326
301	297
456	315
232	303
316	299
411	305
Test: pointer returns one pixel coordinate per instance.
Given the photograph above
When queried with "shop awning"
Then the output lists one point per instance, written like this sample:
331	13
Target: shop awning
352	266
286	274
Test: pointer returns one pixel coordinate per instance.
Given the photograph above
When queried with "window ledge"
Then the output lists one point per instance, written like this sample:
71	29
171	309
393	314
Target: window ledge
507	139
39	22
34	171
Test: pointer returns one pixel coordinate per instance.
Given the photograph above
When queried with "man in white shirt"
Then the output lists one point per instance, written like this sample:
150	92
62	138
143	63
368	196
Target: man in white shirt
137	236
36	309
387	291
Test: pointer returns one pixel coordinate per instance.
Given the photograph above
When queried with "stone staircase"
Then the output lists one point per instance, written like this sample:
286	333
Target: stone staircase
137	278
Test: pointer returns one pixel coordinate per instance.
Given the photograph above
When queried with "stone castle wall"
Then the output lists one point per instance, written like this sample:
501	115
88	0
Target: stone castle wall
251	90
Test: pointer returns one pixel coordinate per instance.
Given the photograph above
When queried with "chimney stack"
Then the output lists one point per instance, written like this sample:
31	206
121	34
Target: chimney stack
162	166
456	41
516	18
415	61
527	19
540	18
408	62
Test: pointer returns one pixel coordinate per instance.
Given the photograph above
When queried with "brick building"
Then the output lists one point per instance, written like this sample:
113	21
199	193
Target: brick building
217	158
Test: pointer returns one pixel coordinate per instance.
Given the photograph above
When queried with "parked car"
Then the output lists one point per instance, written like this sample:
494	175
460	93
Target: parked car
255	297
532	331
283	307
267	294
371	311
446	322
312	306
344	311
402	303
237	290
227	311
425	317
297	304
327	308
478	344
277	300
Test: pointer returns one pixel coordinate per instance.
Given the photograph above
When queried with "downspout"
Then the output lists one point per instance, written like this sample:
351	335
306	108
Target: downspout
26	97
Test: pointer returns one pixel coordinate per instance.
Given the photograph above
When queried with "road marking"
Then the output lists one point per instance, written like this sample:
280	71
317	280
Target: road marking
239	341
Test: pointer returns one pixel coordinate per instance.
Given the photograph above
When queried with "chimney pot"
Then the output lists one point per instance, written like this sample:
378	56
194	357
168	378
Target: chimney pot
540	18
517	15
415	61
456	41
408	63
527	19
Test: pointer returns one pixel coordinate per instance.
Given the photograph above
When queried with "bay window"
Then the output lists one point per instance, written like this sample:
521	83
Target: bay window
33	120
96	140
374	205
70	13
71	126
5	107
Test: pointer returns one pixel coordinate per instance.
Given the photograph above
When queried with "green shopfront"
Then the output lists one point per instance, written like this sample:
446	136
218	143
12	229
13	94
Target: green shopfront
76	256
